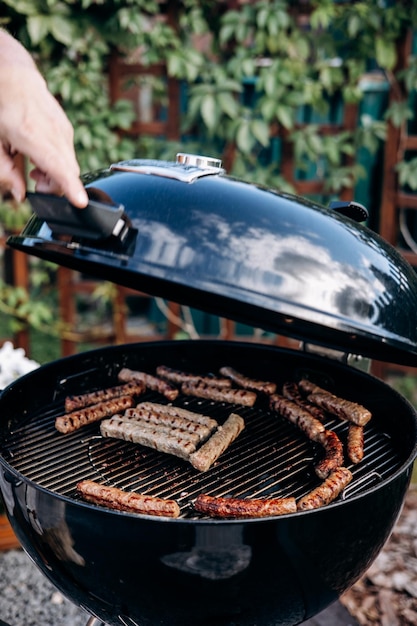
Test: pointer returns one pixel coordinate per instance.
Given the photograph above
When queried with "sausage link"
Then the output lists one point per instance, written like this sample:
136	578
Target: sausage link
299	416
246	382
327	491
333	457
159	439
177	376
121	500
243	508
72	421
344	409
233	396
134	388
355	443
151	382
176	411
292	392
203	458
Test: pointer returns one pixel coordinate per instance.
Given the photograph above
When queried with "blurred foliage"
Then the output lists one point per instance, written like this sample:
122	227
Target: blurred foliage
287	55
248	73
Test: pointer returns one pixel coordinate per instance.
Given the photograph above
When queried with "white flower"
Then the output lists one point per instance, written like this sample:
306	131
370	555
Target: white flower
13	364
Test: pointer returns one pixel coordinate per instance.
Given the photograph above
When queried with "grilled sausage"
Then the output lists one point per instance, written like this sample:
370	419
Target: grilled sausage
327	491
292	392
161	428
210	451
355	443
333	457
101	395
72	421
247	383
169	442
151	382
177	376
233	396
169	421
115	498
344	409
243	508
299	416
176	411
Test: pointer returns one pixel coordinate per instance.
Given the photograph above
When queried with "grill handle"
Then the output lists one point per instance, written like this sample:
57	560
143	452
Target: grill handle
354	210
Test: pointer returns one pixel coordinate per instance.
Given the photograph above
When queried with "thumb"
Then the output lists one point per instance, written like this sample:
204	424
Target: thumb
11	179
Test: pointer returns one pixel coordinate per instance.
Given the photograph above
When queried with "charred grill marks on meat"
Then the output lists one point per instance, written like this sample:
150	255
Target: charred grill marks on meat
151	382
210	451
121	500
328	491
179	377
298	415
344	409
243	508
247	383
72	421
134	388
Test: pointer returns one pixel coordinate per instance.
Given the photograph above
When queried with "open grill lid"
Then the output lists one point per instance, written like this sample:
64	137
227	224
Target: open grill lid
186	231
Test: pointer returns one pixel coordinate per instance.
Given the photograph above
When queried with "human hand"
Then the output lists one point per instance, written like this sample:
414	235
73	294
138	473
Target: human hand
33	123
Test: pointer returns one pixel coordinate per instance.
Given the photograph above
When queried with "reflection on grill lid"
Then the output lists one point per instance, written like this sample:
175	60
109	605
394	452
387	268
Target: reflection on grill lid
252	254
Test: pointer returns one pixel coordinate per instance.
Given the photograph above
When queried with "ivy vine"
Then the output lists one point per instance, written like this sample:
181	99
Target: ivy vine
289	55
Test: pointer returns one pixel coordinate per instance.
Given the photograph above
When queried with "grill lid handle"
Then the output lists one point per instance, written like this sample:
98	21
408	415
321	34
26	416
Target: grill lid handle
101	218
354	210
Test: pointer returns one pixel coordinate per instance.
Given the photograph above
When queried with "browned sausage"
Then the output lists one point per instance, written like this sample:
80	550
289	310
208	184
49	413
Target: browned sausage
115	498
170	441
72	421
176	411
164	420
248	383
292	392
299	416
355	443
333	457
232	396
327	491
203	458
243	508
101	395
151	382
177	376
345	409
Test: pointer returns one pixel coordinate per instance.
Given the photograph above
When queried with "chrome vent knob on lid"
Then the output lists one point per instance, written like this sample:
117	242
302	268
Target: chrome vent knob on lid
200	161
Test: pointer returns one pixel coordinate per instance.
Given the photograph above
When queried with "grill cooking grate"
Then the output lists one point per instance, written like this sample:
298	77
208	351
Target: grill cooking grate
270	458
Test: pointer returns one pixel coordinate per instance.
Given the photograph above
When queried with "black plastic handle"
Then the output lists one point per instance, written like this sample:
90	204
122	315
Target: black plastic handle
98	220
354	210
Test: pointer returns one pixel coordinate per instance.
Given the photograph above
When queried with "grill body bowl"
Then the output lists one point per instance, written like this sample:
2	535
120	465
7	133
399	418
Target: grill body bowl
135	569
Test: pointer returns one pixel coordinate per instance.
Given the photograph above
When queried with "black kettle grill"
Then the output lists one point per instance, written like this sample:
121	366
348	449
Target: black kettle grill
190	233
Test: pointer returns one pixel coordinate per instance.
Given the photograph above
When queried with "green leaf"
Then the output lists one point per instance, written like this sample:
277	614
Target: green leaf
244	137
261	132
407	173
228	104
38	27
209	111
284	115
63	29
385	52
398	113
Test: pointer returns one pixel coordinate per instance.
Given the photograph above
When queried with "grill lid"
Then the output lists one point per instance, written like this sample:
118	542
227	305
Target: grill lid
245	252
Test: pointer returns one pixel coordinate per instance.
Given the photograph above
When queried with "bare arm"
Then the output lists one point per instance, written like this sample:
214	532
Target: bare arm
33	123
